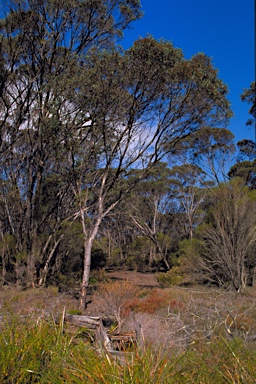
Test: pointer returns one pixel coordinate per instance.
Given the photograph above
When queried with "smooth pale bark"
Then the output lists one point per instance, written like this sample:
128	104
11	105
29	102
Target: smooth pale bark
90	232
47	263
86	272
88	243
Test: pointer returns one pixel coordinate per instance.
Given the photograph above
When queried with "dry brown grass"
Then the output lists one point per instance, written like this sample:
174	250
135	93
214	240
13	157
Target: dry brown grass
180	316
39	302
193	335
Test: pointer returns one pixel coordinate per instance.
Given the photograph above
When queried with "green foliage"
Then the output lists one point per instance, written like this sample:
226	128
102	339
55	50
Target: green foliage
139	252
28	350
246	170
184	264
115	257
190	248
173	277
40	353
247	149
74	312
220	361
69	159
7	244
249	96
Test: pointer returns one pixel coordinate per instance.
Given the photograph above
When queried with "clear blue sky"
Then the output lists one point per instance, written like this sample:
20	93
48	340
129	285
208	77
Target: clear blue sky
222	29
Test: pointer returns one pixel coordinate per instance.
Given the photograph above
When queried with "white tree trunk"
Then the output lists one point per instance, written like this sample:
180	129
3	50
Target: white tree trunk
86	272
89	237
47	263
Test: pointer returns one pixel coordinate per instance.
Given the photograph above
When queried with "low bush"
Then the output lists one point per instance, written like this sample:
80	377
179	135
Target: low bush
174	277
115	299
154	301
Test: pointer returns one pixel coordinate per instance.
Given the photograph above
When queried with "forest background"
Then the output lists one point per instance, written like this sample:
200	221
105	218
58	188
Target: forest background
117	158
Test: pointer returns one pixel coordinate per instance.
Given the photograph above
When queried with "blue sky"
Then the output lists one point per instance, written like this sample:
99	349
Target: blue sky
222	29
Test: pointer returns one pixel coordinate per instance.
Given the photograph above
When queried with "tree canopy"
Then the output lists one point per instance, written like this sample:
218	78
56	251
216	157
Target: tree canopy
84	122
249	96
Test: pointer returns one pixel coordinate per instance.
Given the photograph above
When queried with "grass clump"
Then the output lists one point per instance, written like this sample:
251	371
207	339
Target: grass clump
27	349
220	361
40	352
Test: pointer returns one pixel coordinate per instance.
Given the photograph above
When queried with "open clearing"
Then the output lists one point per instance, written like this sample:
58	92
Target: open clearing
138	278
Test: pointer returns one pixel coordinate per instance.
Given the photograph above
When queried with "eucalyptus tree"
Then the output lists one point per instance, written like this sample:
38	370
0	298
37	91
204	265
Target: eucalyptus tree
75	106
249	96
247	150
245	167
147	208
189	187
210	149
42	48
138	104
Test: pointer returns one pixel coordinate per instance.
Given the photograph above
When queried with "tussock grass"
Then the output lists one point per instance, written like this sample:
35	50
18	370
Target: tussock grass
210	338
27	349
41	353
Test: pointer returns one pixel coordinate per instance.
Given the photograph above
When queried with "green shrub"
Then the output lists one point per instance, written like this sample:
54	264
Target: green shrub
174	277
74	312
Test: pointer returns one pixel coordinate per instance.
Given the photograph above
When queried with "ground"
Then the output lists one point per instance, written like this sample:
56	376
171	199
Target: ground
192	307
138	278
50	302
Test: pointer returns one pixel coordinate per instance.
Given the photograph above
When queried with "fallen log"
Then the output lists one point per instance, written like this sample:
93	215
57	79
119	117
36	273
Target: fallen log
95	323
83	321
115	345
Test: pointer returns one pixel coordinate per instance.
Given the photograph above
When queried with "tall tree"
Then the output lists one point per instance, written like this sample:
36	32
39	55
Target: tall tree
75	106
147	207
210	149
43	44
189	188
245	167
249	96
136	103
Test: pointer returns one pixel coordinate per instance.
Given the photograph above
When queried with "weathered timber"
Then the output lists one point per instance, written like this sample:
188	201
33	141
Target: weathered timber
123	341
115	345
95	323
83	321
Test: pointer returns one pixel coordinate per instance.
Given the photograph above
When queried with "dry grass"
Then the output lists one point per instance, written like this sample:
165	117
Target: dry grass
181	315
42	302
198	335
